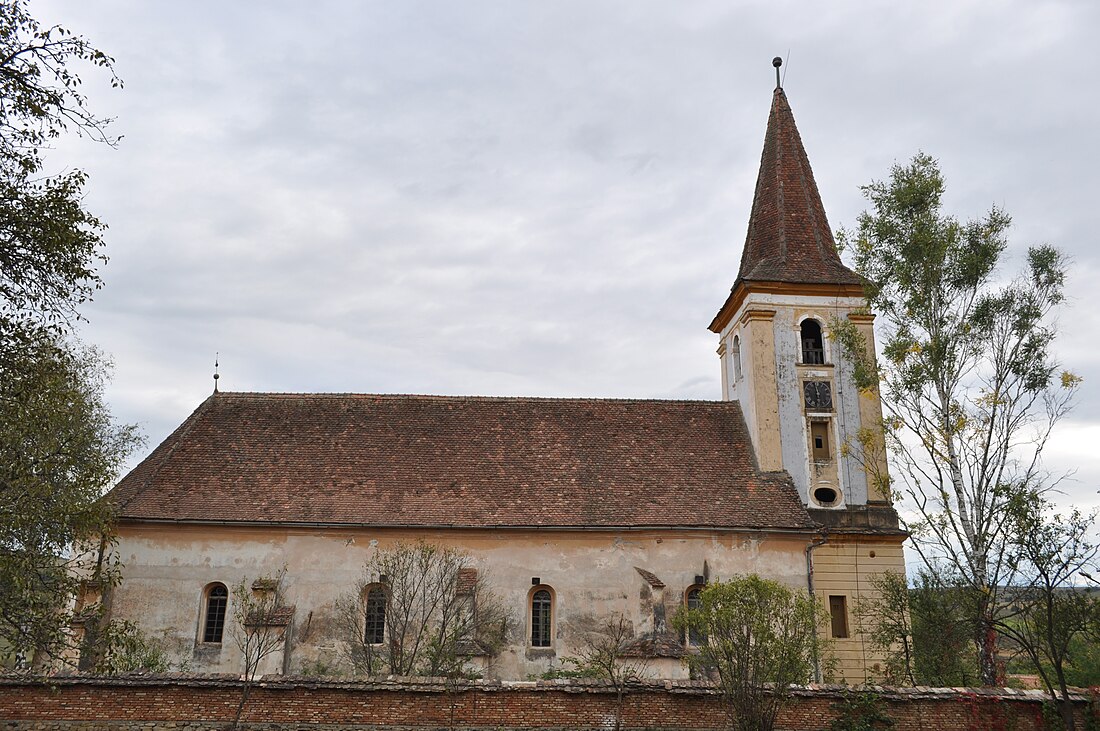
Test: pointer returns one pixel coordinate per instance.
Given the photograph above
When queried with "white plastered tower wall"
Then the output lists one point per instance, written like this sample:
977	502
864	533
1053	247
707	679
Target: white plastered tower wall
762	368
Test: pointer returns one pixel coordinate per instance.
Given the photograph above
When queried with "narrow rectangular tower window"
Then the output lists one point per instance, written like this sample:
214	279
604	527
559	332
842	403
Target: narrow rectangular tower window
819	435
838	612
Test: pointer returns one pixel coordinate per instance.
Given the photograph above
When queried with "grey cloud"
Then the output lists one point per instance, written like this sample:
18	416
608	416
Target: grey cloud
531	198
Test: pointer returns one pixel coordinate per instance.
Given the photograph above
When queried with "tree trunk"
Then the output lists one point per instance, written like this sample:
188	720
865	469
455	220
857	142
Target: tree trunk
240	705
987	645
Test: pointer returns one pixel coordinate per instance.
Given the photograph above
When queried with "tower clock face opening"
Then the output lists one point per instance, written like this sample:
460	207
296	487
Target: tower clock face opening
818	395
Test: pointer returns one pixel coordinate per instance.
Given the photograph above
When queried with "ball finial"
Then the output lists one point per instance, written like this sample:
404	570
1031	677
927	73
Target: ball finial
777	62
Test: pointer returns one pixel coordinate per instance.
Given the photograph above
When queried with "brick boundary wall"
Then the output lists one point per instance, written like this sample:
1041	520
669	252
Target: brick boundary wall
181	702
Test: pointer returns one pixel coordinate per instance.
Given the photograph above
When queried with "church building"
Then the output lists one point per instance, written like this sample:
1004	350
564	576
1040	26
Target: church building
573	509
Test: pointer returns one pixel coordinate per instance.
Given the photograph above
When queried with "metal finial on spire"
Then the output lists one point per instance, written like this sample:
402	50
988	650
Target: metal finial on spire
777	62
216	376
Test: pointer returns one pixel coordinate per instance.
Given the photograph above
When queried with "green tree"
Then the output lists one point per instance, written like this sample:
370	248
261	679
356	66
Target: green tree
124	648
886	622
49	244
923	630
970	389
942	608
760	639
59	449
860	711
1045	615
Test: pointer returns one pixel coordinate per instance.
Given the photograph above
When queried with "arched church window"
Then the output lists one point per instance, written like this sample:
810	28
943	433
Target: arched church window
216	600
736	358
542	603
691	600
813	347
374	608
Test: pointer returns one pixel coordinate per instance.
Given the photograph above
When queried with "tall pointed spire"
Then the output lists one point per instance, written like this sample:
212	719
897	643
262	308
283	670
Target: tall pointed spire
789	238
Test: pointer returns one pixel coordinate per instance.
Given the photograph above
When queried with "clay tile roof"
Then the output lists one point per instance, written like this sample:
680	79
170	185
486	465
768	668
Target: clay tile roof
650	578
466	581
270	617
375	460
789	238
663	645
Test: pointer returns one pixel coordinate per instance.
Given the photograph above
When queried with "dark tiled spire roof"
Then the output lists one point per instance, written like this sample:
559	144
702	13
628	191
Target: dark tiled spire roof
789	238
460	461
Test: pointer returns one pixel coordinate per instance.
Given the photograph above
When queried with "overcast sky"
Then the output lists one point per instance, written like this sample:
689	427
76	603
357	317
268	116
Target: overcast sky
537	198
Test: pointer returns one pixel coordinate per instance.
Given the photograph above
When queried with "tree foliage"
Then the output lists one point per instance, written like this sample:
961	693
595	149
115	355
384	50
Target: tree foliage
860	711
970	390
124	648
59	451
887	624
1045	615
49	244
439	613
924	631
760	639
59	448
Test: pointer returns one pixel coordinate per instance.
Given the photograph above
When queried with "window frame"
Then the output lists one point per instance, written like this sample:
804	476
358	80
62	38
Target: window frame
821	429
213	632
368	591
551	610
735	346
839	617
691	638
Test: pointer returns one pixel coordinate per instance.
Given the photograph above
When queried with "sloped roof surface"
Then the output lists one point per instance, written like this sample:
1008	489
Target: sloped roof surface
789	238
459	461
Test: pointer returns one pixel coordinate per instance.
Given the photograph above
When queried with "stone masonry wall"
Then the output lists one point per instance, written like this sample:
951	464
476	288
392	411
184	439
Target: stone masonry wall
204	703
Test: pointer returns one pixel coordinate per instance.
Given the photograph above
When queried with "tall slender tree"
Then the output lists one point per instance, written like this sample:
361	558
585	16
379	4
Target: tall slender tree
970	389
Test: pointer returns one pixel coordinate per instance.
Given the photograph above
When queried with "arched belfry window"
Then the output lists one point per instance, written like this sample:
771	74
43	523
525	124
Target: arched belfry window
374	610
215	603
813	347
542	608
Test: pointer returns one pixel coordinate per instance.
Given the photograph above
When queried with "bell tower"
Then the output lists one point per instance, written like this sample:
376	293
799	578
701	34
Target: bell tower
795	384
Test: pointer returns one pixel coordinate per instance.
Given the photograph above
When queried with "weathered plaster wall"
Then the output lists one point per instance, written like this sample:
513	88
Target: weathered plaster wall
592	573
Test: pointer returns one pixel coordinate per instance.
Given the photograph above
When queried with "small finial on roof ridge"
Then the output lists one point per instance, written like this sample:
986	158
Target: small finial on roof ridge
777	62
216	376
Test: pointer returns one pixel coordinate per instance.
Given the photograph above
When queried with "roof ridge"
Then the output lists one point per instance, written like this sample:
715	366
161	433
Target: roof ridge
453	397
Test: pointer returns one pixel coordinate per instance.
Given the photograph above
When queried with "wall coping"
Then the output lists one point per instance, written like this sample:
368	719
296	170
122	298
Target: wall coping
443	685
